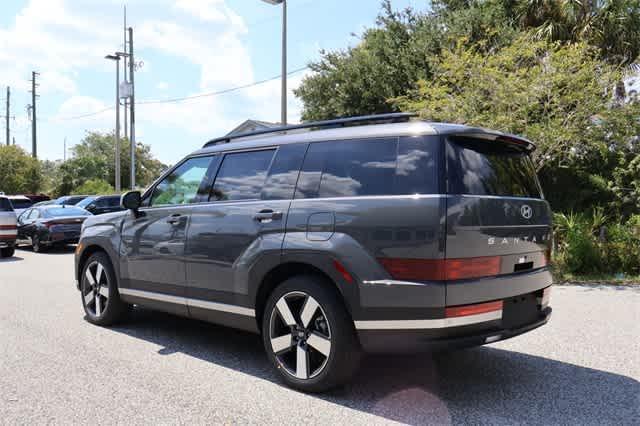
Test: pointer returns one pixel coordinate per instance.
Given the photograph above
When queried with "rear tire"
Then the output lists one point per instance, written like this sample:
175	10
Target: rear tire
7	252
36	244
308	335
99	292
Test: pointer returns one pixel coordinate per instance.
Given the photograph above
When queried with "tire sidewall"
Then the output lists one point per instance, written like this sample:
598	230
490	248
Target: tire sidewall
108	314
341	331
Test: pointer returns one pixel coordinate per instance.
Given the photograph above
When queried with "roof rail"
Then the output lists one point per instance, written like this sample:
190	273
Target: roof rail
327	124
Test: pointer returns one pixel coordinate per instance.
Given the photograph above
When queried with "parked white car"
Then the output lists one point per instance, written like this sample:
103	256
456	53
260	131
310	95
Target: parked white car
8	228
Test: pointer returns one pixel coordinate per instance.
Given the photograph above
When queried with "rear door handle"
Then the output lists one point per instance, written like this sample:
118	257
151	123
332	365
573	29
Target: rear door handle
174	218
267	215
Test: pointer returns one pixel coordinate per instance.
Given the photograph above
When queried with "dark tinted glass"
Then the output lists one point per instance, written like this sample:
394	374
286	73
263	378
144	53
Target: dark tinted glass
370	167
417	170
242	176
64	211
113	201
283	174
73	200
21	204
479	167
5	205
182	185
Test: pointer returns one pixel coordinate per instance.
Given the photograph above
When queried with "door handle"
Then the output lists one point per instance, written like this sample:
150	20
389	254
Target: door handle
174	219
267	215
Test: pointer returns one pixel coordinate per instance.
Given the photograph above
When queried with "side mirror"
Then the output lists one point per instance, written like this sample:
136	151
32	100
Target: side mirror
131	200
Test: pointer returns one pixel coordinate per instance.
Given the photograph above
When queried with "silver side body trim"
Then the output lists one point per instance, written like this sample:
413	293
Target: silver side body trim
196	303
428	323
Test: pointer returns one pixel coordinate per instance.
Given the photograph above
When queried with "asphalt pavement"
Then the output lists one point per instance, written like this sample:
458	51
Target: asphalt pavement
56	368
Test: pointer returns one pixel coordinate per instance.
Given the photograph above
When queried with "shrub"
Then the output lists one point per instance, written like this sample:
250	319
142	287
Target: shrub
94	187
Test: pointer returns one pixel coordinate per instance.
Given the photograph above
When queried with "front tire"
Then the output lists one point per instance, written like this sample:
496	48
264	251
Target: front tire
99	292
309	336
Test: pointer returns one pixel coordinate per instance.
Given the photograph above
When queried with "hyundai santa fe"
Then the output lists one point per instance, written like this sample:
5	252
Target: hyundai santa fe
376	234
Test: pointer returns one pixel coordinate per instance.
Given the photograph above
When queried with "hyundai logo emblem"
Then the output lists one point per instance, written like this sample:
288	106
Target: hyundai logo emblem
526	211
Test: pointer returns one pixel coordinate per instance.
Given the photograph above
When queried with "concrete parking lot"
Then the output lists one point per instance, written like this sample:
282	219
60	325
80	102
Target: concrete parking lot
582	368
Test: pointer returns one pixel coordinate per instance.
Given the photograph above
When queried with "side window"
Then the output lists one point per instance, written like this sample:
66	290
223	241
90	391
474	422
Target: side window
283	175
349	168
113	202
242	176
418	159
383	166
183	184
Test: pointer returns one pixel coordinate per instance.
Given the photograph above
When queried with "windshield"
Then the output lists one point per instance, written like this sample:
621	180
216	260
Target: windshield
481	167
84	203
65	211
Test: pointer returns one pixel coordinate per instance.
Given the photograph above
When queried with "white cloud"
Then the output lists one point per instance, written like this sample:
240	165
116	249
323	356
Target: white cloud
163	85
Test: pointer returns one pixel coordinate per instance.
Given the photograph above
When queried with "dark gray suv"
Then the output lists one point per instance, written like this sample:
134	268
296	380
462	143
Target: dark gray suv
333	239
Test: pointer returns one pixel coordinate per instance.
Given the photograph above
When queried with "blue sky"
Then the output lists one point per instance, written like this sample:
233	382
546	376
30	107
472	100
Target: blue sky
188	47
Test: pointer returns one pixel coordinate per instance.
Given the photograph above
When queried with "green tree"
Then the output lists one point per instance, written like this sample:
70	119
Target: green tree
93	158
558	95
19	172
389	59
94	187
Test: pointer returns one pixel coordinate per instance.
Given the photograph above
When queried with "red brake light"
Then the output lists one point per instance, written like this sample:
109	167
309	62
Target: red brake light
473	267
414	269
441	269
8	227
480	308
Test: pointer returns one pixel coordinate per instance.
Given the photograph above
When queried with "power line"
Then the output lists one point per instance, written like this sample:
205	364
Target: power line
184	98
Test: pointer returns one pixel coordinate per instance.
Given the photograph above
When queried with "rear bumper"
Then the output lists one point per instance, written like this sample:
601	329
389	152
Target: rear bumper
7	243
422	340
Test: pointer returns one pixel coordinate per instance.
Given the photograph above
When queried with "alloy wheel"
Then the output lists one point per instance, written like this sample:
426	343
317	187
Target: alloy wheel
96	289
300	335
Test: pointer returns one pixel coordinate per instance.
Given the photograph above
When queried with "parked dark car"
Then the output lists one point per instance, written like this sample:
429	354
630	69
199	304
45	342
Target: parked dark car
100	204
375	234
70	200
45	226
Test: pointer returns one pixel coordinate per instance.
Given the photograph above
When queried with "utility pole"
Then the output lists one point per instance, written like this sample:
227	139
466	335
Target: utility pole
34	139
125	74
132	121
8	113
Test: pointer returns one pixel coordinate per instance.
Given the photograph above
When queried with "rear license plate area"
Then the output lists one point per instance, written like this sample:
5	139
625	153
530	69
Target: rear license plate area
519	311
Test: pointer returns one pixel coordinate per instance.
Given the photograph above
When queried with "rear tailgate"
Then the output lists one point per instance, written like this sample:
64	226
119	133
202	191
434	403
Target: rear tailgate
8	226
498	224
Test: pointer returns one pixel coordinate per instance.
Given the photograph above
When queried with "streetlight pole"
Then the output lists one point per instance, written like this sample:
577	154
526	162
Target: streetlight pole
283	95
116	58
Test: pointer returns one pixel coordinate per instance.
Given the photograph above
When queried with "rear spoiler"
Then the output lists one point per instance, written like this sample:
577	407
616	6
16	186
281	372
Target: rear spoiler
518	141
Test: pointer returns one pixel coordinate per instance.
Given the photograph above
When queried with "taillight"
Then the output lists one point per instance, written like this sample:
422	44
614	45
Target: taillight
441	269
8	227
480	308
473	267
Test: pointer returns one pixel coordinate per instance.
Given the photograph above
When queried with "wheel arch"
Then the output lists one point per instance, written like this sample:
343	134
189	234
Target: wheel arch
86	253
289	269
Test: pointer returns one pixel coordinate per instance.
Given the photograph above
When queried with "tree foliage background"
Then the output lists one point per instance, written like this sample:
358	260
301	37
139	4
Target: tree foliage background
550	70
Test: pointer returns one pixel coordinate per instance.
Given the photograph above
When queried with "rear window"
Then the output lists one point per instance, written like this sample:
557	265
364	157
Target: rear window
384	166
480	167
5	205
19	203
65	211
